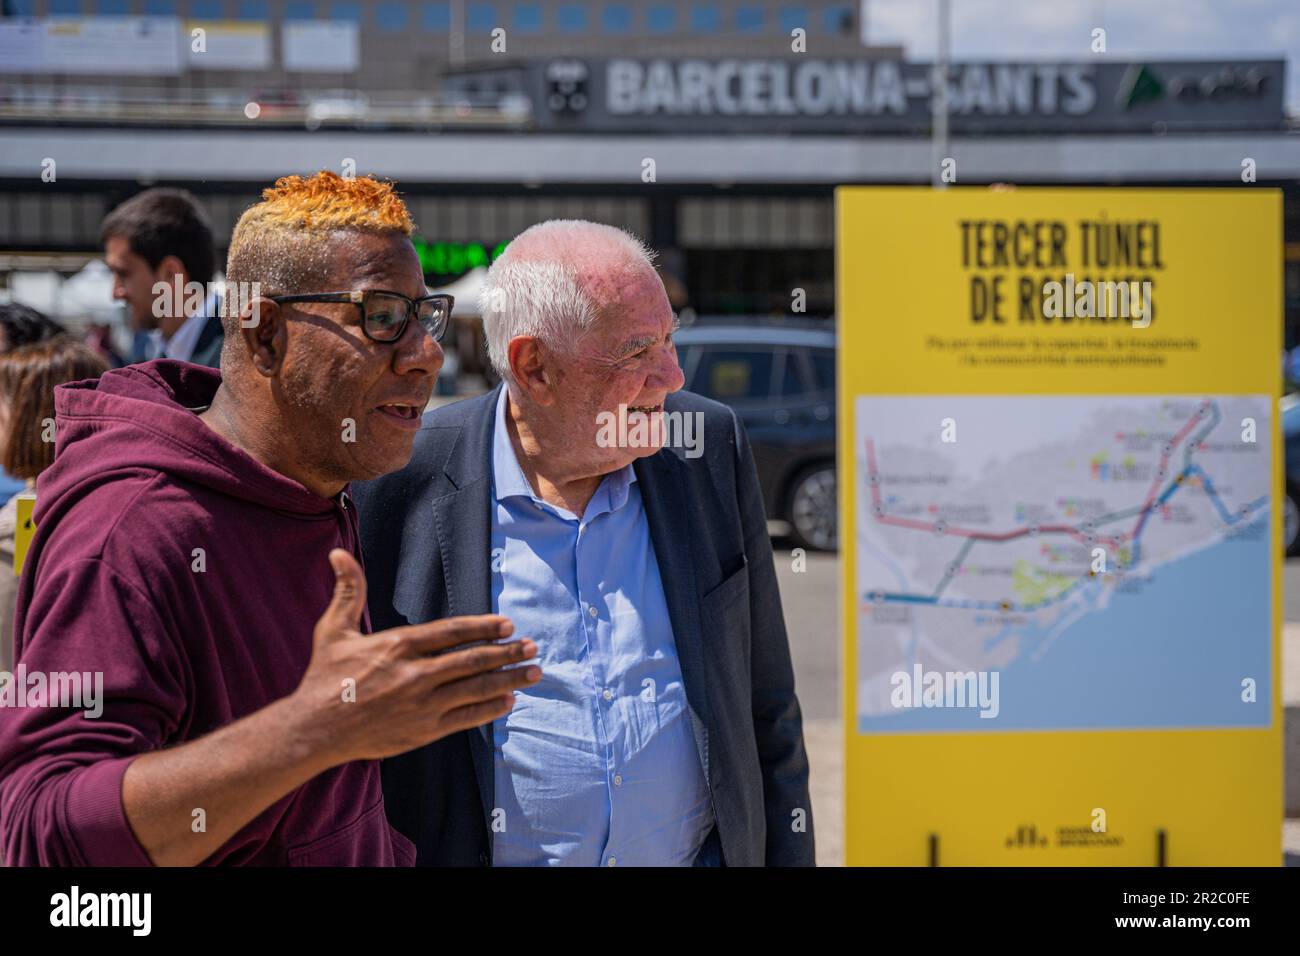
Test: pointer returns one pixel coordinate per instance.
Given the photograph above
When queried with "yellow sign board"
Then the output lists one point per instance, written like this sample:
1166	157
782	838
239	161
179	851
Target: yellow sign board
1060	462
25	528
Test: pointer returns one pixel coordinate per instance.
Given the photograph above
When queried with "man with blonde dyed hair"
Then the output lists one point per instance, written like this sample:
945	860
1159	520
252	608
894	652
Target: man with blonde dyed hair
665	730
191	531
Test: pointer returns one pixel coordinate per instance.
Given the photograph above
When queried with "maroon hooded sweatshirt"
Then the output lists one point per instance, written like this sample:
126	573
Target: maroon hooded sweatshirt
192	576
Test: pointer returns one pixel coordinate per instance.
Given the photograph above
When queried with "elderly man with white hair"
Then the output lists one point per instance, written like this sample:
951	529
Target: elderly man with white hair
665	730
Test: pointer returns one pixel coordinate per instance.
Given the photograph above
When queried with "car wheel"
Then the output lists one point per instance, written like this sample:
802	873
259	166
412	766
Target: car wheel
1291	523
813	511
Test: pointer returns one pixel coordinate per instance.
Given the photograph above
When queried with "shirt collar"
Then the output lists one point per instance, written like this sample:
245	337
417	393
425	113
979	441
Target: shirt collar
181	345
508	478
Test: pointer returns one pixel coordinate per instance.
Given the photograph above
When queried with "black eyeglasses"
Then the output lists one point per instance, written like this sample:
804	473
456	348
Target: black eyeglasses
384	314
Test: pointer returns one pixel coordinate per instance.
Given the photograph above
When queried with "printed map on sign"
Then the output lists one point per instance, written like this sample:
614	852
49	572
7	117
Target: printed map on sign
1109	557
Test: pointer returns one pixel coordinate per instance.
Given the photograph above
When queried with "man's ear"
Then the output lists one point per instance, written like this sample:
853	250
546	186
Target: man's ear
529	361
262	327
168	268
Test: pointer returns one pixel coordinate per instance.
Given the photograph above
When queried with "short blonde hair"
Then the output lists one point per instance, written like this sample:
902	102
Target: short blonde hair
282	241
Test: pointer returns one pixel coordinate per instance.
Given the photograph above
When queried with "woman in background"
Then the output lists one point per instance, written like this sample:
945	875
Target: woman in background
21	325
28	376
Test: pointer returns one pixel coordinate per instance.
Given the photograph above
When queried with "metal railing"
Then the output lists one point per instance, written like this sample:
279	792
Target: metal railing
233	108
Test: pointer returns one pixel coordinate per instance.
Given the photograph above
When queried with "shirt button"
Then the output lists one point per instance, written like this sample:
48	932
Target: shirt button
618	780
612	861
608	694
591	609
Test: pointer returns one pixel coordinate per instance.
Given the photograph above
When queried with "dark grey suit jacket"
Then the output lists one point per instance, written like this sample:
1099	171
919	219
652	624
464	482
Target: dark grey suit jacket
207	350
426	538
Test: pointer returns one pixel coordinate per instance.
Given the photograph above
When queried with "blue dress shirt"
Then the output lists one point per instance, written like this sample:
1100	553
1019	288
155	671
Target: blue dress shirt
596	765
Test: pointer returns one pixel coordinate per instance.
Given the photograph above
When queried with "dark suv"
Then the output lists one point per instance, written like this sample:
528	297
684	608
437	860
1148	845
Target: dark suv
780	379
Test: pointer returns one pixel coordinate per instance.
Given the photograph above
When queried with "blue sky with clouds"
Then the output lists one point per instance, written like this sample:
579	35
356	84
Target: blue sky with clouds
1135	29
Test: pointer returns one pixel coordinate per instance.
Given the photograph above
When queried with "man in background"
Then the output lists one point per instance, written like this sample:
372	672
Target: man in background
163	236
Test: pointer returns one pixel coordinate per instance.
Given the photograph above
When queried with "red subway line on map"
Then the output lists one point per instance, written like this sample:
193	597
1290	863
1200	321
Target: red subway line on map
958	532
1164	460
873	480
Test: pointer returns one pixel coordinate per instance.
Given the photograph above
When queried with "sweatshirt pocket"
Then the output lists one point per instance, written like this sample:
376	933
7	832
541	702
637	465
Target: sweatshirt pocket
366	841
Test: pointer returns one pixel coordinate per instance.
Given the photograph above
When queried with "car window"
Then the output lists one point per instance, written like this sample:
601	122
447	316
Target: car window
688	357
735	374
792	381
823	362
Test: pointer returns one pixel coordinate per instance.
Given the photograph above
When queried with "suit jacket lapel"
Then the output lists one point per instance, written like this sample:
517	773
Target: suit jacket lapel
463	519
212	331
668	507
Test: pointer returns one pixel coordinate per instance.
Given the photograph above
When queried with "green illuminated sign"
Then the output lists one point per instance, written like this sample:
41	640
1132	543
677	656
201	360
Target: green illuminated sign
454	258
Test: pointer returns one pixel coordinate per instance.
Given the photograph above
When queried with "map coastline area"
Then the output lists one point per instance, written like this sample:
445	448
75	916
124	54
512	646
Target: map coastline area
1106	558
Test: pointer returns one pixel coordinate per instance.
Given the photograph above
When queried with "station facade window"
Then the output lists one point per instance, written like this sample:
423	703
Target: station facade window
838	20
528	18
705	19
616	18
749	19
571	18
481	17
661	19
794	18
437	17
392	16
346	11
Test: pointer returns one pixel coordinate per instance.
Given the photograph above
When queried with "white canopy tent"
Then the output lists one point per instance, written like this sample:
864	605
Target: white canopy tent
89	293
83	298
466	290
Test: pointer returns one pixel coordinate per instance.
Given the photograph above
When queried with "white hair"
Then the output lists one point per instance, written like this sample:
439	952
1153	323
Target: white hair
540	285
